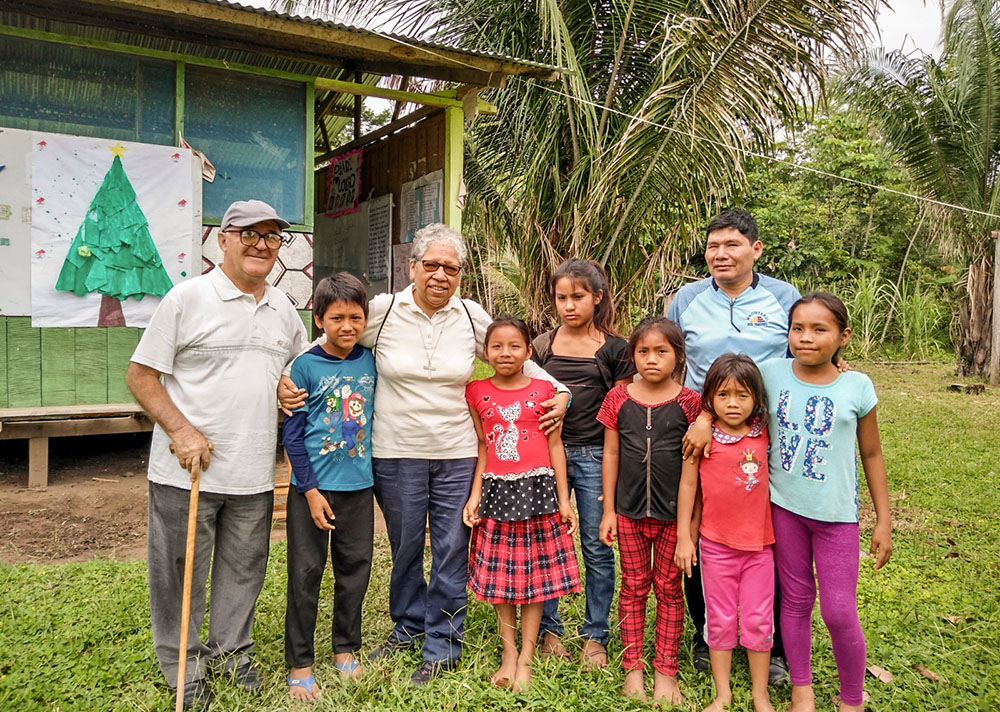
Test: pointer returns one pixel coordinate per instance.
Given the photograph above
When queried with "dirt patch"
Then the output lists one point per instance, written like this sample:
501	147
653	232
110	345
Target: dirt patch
95	504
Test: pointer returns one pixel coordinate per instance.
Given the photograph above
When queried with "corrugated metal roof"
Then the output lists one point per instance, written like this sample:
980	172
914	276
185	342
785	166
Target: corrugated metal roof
402	39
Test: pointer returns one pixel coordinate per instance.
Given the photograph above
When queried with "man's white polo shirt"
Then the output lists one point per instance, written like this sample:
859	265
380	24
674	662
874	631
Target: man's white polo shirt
221	353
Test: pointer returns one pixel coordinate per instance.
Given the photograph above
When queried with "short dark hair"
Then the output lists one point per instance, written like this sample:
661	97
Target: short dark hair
739	220
508	320
741	369
339	287
671	332
832	303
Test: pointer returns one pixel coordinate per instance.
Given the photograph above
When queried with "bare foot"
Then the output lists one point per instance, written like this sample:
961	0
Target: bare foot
665	690
854	708
522	676
763	704
803	699
552	647
720	704
299	690
593	655
347	665
507	671
633	686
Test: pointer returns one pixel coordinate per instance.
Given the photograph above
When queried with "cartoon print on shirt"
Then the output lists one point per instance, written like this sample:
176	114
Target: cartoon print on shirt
747	469
354	423
506	446
346	409
819	417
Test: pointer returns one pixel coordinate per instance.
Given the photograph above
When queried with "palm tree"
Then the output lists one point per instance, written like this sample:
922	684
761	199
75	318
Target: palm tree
942	119
645	134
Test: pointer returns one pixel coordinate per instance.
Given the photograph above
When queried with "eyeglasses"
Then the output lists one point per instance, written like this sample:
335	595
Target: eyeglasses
251	238
450	270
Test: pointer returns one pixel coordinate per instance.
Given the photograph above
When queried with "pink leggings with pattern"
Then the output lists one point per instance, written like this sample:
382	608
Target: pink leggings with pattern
833	546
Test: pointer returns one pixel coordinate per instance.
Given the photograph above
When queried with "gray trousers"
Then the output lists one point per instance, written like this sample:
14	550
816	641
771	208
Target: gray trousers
237	528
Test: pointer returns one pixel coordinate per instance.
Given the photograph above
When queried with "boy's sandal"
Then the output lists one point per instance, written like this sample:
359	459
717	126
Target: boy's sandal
303	683
347	669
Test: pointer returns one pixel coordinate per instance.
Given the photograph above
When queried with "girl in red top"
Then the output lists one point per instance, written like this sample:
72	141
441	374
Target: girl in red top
644	424
725	500
522	547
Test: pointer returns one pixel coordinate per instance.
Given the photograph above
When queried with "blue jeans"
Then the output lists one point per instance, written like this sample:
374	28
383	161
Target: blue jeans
411	493
583	469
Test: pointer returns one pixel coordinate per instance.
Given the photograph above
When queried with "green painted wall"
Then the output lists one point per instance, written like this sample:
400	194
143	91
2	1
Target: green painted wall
84	366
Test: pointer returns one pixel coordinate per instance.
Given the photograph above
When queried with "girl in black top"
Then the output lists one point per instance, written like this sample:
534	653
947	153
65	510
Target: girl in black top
585	354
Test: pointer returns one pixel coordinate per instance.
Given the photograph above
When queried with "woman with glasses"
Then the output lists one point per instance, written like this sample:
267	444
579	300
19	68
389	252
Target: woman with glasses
424	444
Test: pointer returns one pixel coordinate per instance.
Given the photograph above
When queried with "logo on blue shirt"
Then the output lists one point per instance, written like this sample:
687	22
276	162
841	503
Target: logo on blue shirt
757	318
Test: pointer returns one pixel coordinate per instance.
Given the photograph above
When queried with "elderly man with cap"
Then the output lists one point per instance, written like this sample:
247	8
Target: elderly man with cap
219	343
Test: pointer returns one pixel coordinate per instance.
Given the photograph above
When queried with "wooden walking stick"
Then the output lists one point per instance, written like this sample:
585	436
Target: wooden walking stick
188	576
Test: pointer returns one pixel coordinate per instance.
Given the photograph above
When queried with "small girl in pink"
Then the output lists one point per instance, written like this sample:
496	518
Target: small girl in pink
725	500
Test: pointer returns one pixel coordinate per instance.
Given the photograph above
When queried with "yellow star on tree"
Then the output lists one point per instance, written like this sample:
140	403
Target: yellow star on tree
118	149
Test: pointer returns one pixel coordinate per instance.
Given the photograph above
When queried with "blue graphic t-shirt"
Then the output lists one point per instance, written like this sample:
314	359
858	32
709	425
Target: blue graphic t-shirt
328	440
813	461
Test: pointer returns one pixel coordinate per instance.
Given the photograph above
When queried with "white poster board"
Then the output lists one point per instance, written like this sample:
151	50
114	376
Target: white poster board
420	204
379	236
79	184
15	222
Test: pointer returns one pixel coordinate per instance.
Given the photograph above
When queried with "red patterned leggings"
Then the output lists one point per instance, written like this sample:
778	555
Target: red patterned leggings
637	539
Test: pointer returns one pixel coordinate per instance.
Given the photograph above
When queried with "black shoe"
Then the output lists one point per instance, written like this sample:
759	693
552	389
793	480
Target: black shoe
197	695
428	671
777	674
247	677
702	661
390	647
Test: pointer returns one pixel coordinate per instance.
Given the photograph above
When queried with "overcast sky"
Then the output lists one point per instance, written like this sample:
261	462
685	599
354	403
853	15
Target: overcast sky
911	24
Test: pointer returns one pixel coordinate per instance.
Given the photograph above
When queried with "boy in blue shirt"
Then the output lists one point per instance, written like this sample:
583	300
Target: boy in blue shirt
330	505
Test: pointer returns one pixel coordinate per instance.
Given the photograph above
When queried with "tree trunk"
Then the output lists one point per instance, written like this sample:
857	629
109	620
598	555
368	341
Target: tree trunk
111	312
975	318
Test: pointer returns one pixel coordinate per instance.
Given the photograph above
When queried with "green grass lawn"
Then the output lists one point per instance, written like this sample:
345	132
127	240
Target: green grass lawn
76	636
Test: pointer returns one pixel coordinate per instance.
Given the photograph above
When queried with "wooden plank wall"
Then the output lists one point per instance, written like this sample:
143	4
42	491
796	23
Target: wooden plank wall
397	159
40	367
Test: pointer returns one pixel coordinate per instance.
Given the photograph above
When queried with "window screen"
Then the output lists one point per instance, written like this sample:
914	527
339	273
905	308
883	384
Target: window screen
55	87
252	128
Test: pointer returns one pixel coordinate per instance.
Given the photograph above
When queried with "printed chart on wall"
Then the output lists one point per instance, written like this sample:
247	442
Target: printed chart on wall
114	226
420	204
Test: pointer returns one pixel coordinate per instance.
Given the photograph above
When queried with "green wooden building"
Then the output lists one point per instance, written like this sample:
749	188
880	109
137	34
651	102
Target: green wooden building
261	94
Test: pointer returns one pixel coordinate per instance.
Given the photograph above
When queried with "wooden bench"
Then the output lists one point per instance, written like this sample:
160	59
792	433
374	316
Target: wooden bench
37	425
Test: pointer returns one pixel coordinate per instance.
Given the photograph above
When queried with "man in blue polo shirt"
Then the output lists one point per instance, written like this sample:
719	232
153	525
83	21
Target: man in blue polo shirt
734	310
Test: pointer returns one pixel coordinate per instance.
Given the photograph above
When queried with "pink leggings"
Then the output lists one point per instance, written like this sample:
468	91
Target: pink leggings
835	549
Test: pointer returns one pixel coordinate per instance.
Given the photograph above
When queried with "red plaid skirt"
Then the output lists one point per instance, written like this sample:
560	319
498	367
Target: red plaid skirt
525	561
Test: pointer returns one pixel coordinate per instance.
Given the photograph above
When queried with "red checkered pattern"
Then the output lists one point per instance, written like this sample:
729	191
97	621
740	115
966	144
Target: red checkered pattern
637	539
524	561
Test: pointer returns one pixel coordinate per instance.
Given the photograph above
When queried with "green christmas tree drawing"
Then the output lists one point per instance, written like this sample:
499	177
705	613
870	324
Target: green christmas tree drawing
113	253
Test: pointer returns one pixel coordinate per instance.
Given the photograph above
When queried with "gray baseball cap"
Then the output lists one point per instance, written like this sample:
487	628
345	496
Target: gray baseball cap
244	213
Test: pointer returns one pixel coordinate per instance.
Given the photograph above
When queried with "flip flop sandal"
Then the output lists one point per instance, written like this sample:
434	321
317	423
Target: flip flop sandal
347	669
303	683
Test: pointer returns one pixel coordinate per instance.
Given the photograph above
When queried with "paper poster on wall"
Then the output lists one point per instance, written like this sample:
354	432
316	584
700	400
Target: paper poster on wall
114	227
420	204
344	184
15	222
400	266
379	236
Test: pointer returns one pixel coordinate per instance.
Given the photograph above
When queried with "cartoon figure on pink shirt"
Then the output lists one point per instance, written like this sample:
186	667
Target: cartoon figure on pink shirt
746	471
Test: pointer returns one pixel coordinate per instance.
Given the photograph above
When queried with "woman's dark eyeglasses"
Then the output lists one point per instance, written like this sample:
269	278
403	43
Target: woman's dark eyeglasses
450	270
251	238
